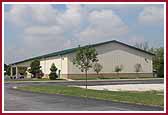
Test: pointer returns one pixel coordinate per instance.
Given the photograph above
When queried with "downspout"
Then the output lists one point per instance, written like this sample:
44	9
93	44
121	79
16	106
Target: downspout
59	71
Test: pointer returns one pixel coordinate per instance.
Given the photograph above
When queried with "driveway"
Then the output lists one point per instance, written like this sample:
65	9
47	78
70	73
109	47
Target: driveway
15	100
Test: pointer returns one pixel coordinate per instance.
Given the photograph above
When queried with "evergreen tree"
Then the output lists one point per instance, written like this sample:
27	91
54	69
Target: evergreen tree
35	69
53	75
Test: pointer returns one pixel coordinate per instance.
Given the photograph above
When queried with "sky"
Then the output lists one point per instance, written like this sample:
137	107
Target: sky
33	30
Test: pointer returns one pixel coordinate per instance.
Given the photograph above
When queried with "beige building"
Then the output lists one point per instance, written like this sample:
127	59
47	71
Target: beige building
110	55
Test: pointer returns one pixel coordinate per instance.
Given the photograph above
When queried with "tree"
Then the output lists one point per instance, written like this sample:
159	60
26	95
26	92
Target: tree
158	61
118	69
7	69
84	59
143	46
97	67
138	68
53	75
35	69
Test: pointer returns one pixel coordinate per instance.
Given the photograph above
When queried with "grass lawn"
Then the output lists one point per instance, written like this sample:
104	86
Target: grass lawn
145	98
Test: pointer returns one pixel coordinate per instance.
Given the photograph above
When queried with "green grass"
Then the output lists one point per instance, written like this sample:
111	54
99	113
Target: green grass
145	98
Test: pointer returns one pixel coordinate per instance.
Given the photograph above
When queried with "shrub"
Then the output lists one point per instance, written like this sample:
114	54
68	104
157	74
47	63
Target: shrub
118	69
97	68
53	75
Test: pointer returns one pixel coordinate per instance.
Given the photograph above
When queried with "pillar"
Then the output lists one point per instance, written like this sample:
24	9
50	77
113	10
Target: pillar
17	72
11	74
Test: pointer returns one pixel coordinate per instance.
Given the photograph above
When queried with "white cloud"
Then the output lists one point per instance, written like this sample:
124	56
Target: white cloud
28	15
113	6
18	15
71	18
103	24
151	15
45	29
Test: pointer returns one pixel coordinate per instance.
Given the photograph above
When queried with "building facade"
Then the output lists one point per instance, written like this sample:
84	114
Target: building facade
110	54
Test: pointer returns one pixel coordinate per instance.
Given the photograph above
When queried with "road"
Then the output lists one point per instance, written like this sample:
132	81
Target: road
15	100
90	82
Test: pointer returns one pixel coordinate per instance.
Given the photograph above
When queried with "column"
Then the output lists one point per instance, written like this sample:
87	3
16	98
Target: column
11	74
17	72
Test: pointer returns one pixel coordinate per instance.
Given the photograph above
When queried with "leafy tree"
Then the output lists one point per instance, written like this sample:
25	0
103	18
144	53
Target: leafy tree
7	69
158	60
97	68
35	69
138	68
118	69
84	59
53	75
22	70
143	46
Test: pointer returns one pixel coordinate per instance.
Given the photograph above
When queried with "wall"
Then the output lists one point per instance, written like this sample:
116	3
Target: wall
113	54
111	75
60	63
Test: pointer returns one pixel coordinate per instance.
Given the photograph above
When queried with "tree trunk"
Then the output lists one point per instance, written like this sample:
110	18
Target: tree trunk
86	82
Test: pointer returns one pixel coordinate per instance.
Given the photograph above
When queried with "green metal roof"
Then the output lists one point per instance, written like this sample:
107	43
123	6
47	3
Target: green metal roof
67	51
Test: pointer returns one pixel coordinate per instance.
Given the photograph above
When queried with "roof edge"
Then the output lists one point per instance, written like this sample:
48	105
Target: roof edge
67	51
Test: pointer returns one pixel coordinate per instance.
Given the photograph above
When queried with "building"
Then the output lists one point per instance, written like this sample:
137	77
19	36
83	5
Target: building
110	55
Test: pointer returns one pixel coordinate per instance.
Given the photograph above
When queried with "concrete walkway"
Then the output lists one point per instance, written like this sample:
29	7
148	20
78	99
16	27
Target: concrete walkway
128	87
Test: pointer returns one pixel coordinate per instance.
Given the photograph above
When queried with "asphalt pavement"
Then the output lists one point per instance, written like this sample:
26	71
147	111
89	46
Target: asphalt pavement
15	100
89	83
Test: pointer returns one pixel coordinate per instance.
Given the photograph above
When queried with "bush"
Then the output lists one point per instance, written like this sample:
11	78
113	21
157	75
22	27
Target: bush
53	75
40	75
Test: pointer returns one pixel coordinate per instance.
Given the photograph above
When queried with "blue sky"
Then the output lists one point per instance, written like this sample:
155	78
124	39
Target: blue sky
33	30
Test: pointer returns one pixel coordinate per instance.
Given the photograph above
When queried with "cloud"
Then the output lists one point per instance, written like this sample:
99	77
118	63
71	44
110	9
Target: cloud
43	28
114	6
71	17
27	15
151	15
103	24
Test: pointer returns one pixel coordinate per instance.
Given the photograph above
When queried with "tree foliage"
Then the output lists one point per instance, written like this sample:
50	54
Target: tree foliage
35	69
143	46
138	67
158	61
53	74
7	69
97	68
85	57
118	68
